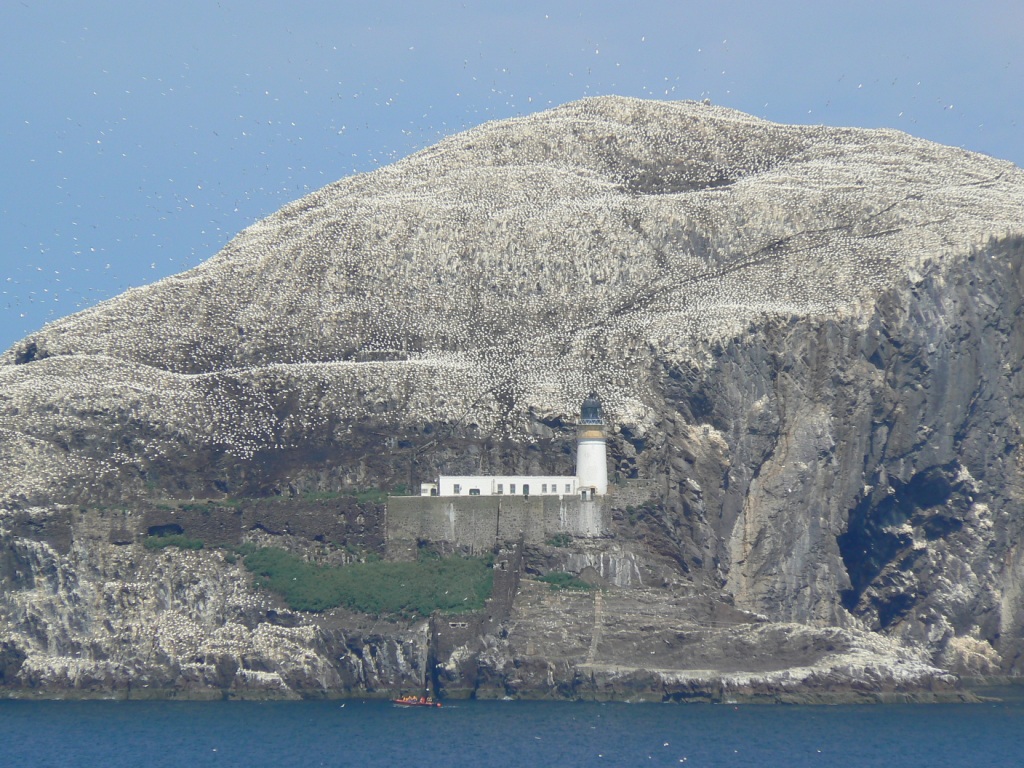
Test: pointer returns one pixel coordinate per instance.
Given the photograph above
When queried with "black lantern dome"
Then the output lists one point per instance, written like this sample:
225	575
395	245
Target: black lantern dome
591	411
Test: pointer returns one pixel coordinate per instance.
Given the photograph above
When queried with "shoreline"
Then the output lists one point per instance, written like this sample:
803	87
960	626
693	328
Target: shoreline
971	692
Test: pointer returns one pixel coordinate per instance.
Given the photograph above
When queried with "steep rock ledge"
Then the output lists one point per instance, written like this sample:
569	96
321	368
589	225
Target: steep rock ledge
114	620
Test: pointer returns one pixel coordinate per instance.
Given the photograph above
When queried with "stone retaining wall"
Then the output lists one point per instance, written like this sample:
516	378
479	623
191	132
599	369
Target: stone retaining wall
477	522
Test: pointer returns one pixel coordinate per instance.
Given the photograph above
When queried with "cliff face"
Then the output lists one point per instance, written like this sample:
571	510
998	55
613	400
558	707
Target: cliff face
872	468
96	615
809	342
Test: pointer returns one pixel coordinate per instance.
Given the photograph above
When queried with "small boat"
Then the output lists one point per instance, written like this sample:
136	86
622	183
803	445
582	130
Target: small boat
416	701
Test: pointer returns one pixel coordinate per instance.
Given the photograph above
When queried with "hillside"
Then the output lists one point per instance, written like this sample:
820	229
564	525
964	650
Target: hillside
807	338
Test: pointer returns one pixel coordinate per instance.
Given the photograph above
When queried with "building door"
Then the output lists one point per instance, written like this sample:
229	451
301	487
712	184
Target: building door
526	489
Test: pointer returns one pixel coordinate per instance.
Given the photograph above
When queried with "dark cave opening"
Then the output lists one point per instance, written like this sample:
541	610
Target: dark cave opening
873	540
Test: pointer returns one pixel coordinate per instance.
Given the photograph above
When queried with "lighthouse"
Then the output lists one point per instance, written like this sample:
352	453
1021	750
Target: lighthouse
591	449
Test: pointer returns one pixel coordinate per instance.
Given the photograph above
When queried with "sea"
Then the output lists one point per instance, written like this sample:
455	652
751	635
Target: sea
107	734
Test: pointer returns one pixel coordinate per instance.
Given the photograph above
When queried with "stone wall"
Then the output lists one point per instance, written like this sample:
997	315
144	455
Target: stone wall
477	522
343	521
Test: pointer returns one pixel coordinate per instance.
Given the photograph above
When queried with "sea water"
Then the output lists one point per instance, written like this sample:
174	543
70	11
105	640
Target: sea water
483	734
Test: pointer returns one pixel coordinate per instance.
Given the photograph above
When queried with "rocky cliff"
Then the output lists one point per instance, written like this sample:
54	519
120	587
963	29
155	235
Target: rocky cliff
808	339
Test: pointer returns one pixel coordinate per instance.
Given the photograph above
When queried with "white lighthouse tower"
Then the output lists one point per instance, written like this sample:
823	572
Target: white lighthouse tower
591	449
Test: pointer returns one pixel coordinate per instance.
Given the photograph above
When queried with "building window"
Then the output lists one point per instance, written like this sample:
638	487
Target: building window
474	491
501	489
568	488
457	489
511	487
544	488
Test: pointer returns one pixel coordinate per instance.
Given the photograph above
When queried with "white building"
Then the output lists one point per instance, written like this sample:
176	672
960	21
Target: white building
503	485
591	469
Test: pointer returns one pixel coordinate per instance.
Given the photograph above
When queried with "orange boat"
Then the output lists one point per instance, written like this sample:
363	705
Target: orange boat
416	701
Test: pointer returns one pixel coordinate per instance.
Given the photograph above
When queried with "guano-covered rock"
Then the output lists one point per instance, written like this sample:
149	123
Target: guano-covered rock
808	341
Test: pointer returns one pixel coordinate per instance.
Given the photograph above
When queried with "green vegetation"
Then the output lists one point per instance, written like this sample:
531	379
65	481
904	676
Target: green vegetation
244	549
563	580
452	584
361	495
561	540
320	495
377	495
173	540
371	495
649	508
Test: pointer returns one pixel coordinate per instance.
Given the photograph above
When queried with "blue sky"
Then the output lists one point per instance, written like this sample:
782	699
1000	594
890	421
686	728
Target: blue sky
137	138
